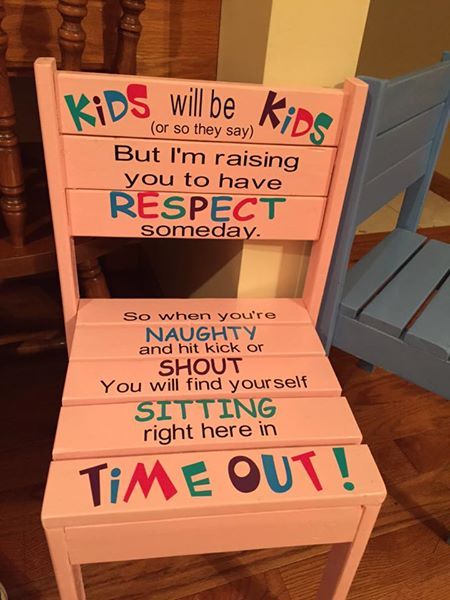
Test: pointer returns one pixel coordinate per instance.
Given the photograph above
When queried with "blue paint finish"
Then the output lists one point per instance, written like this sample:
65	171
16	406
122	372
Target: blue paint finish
376	268
395	305
396	143
388	184
411	94
401	134
394	355
431	331
416	194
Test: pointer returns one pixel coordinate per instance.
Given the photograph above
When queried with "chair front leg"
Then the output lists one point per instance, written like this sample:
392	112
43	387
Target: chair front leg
68	576
343	559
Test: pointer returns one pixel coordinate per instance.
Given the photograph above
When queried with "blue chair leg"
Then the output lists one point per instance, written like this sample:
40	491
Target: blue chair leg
369	367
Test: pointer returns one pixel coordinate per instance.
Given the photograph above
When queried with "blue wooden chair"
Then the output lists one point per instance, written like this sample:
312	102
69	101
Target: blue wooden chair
392	309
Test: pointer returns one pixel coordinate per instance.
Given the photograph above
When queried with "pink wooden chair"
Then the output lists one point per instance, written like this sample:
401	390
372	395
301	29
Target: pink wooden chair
200	425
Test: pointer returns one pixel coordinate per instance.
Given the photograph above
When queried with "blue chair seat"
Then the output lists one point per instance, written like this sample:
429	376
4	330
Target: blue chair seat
395	310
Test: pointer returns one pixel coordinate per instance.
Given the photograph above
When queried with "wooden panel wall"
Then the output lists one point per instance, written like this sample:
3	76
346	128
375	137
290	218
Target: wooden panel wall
179	38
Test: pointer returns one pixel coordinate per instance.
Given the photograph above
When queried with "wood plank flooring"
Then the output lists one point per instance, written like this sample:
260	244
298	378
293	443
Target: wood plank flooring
406	427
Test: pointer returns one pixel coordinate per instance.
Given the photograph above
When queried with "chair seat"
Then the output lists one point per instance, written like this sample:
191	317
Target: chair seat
133	428
124	350
402	288
395	310
131	447
203	502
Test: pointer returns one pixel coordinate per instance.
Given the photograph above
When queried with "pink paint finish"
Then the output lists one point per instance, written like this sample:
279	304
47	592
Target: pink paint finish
193	339
239	311
343	559
322	250
175	537
56	176
136	428
250	485
93	163
240	376
68	575
150	110
70	497
160	214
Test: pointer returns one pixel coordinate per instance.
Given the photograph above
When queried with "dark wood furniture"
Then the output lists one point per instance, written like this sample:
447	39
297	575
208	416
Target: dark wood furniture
27	247
180	40
12	201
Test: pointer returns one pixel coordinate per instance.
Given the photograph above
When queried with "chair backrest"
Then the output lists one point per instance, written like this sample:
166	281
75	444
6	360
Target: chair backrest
145	157
401	133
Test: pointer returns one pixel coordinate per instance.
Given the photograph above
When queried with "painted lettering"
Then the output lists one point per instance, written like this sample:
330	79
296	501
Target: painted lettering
89	112
219	209
294	121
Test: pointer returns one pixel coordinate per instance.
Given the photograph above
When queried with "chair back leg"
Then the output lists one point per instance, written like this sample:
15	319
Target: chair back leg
72	40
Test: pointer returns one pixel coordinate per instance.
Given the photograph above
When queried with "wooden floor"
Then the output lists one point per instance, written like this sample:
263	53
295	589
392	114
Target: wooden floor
406	427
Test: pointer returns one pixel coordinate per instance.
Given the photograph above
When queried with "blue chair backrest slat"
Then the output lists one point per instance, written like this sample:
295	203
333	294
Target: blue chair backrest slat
387	185
397	143
411	94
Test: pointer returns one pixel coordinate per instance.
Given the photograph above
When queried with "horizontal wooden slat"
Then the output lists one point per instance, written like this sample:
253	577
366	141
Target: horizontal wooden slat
226	111
397	143
93	163
395	305
377	192
393	354
198	378
431	331
180	215
375	269
227	339
412	94
241	311
232	533
137	428
308	477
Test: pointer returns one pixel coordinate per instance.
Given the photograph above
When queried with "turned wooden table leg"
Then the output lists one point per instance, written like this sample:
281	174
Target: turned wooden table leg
92	279
128	36
71	35
72	39
11	177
